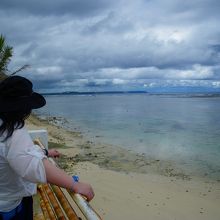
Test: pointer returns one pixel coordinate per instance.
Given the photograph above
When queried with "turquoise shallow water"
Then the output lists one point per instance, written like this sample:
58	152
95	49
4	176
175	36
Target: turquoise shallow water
181	128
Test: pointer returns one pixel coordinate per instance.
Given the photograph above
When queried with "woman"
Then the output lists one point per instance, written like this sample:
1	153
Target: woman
23	164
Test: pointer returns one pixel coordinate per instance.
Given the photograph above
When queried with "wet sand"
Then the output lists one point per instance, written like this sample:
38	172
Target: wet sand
130	185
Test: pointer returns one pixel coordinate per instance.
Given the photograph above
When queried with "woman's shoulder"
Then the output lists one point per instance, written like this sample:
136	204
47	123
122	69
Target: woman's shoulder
20	132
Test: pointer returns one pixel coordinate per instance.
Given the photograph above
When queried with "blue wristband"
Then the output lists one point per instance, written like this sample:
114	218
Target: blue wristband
46	152
75	178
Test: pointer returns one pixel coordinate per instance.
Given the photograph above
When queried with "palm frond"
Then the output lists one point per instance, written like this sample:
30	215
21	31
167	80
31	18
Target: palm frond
2	42
5	54
20	69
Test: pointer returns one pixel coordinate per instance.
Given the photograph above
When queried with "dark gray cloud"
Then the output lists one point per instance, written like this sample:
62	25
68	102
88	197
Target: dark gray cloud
76	8
124	43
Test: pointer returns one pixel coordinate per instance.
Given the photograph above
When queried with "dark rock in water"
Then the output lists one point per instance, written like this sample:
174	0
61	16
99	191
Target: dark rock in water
177	126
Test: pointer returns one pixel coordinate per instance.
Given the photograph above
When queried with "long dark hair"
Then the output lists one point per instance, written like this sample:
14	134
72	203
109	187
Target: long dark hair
12	121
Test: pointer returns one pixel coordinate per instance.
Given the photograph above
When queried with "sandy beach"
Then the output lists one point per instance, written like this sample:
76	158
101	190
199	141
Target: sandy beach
132	186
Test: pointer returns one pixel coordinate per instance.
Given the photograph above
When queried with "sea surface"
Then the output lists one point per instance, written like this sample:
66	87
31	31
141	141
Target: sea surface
183	129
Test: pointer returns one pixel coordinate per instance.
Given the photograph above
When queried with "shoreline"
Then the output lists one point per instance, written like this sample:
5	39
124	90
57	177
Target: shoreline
122	178
112	157
108	156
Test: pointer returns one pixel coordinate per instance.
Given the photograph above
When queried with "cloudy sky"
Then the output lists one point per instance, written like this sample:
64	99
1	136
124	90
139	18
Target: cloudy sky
98	45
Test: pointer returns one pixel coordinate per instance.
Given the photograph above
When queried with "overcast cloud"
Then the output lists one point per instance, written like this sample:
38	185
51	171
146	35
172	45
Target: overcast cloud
93	45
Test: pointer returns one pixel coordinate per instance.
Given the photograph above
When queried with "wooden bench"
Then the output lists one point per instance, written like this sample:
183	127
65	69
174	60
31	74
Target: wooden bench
53	202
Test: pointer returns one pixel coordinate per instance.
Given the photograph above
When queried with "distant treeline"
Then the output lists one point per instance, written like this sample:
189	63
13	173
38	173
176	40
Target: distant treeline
180	95
95	93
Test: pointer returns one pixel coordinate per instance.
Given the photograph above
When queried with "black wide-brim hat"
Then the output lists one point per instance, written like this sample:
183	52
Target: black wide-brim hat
16	94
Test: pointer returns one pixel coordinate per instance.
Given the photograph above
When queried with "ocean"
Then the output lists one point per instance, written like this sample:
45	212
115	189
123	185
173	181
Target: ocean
183	128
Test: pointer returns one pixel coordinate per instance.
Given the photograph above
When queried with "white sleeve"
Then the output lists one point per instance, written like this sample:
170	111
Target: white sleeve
25	158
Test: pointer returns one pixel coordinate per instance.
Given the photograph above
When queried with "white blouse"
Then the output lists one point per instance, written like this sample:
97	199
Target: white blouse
21	167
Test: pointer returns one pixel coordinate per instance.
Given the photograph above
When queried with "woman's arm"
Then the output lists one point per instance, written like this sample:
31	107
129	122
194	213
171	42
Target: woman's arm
60	178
